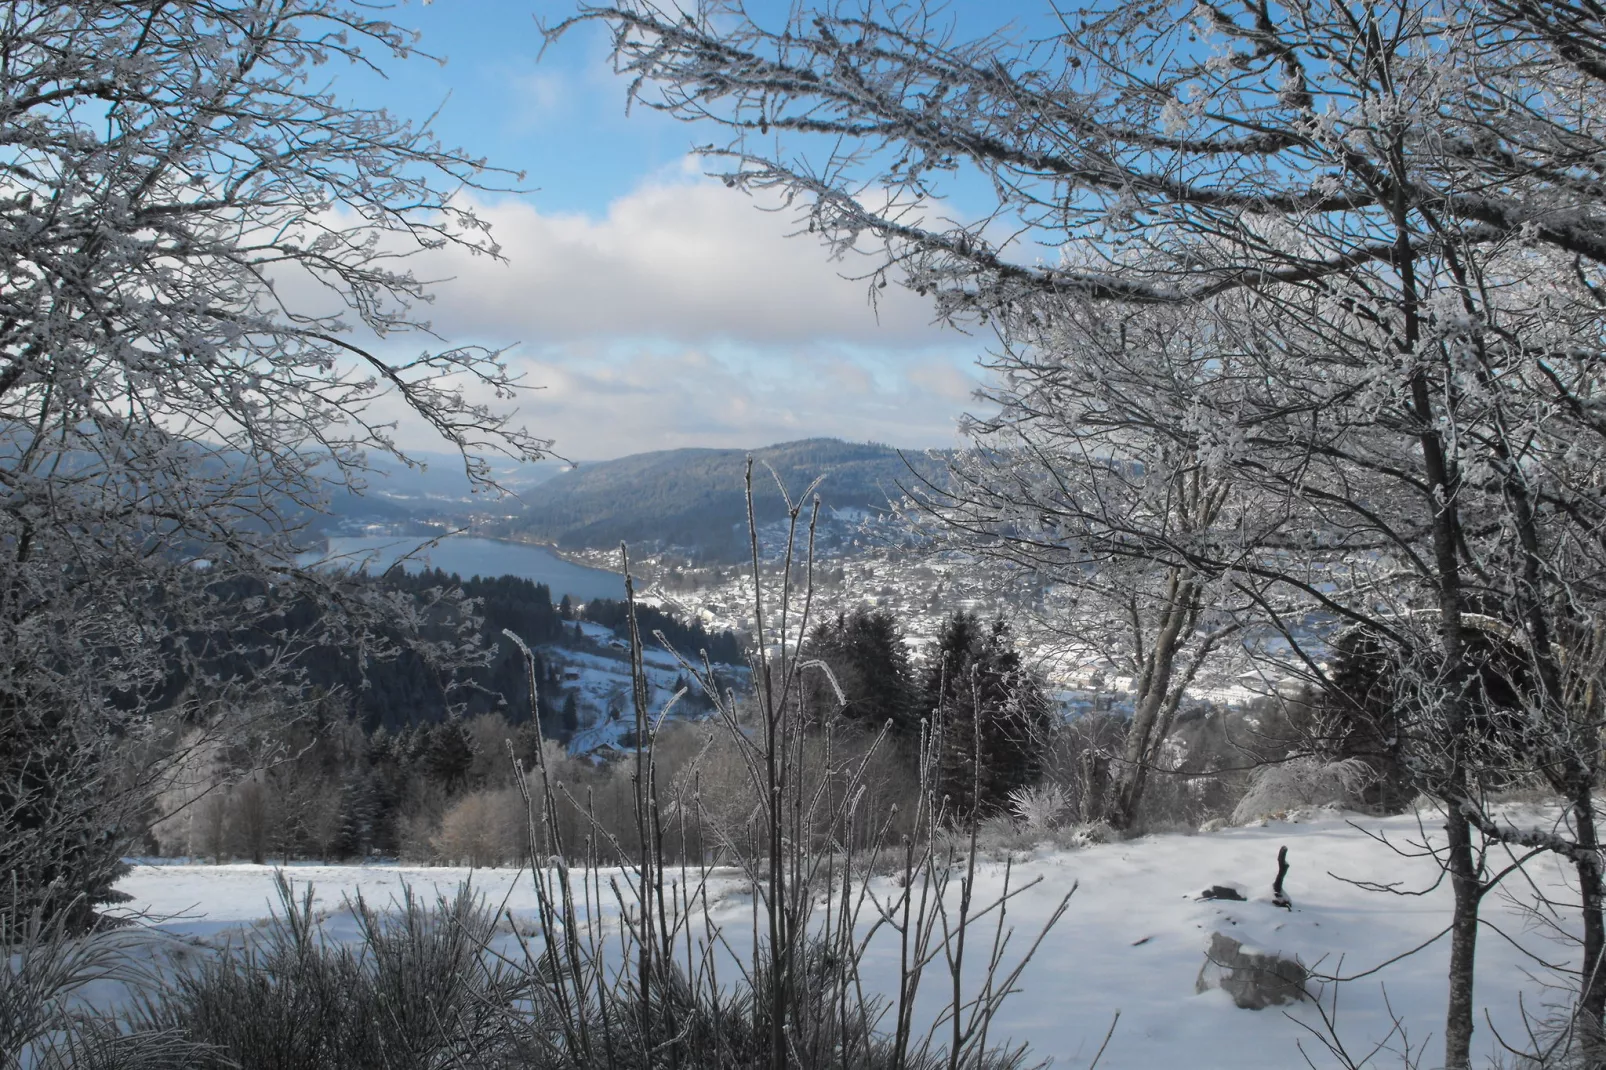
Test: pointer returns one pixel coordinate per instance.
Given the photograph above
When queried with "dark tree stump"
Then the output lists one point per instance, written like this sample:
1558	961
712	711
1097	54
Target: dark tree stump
1278	896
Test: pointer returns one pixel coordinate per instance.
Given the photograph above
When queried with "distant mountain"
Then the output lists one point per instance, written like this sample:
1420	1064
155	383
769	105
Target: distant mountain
440	481
397	495
693	499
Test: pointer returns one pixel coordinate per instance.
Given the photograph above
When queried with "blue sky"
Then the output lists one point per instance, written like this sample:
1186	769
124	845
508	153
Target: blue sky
652	307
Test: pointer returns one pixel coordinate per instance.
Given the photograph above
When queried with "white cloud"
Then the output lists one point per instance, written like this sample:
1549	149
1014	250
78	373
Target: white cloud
686	316
601	405
676	259
602	399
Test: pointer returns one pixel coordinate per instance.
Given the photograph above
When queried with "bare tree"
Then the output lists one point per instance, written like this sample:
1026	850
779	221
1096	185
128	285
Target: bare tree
1092	476
1392	210
202	287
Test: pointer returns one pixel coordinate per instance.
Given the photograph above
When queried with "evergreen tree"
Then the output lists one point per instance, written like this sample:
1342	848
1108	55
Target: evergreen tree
688	638
527	744
48	811
381	745
990	710
571	714
866	654
354	832
450	754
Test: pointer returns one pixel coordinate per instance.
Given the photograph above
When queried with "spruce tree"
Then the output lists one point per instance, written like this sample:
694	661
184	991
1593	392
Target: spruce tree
450	754
989	710
865	652
359	807
65	850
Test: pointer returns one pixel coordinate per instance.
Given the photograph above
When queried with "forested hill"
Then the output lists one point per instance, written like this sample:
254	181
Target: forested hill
693	499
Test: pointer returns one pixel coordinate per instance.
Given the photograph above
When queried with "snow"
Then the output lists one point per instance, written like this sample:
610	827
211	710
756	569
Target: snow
602	683
203	900
1132	941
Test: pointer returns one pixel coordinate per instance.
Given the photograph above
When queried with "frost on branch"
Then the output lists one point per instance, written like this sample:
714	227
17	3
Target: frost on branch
204	292
1301	781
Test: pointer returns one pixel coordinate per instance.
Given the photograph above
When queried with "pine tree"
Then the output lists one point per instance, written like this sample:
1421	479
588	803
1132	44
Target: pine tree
450	754
62	845
989	709
865	652
358	811
571	714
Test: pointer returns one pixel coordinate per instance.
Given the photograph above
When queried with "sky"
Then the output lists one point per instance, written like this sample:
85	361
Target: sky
647	305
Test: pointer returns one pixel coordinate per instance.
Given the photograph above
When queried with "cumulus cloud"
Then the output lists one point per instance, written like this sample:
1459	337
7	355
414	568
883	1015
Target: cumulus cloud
684	315
678	259
607	404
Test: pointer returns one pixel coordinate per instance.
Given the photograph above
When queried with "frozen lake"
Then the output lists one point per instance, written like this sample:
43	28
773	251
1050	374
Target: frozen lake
469	556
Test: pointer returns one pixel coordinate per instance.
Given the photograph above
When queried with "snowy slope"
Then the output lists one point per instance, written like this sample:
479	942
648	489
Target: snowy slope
1132	942
602	683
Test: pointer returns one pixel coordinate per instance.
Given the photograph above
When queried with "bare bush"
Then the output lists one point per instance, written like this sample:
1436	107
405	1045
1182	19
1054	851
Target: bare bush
1038	807
483	828
1302	781
43	1020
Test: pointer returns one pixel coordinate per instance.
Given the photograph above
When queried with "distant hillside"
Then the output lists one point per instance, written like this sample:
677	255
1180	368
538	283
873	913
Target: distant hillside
440	482
693	499
397	495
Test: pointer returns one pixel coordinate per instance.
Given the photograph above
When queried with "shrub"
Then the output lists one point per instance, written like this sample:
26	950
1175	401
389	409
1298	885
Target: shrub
44	973
484	828
420	989
1302	781
1038	807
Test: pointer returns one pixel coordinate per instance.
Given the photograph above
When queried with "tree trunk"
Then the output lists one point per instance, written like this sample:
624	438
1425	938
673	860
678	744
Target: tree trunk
1454	777
1574	769
1154	685
1095	785
1463	943
1592	983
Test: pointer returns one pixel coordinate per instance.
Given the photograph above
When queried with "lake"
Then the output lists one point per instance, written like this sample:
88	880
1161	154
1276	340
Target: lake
468	555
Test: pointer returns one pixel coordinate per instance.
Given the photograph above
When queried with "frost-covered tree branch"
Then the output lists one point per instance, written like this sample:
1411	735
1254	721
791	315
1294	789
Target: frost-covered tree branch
204	280
1384	228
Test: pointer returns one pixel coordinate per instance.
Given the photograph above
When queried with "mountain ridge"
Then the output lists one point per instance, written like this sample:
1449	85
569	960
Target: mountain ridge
693	499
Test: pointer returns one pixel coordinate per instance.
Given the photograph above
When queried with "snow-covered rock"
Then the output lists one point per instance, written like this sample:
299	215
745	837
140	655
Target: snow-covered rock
1254	979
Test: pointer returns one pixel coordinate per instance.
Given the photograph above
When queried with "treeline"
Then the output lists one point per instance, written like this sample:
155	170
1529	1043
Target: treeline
453	661
334	792
408	690
338	786
967	723
403	749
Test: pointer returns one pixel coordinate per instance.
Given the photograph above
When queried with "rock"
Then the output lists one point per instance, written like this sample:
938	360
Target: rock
1254	979
1222	891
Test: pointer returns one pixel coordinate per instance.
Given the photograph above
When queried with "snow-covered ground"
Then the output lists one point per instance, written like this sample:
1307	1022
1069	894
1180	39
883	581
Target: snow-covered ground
1132	941
601	683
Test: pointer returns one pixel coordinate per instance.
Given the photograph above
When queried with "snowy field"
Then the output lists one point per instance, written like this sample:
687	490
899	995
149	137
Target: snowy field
1132	941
